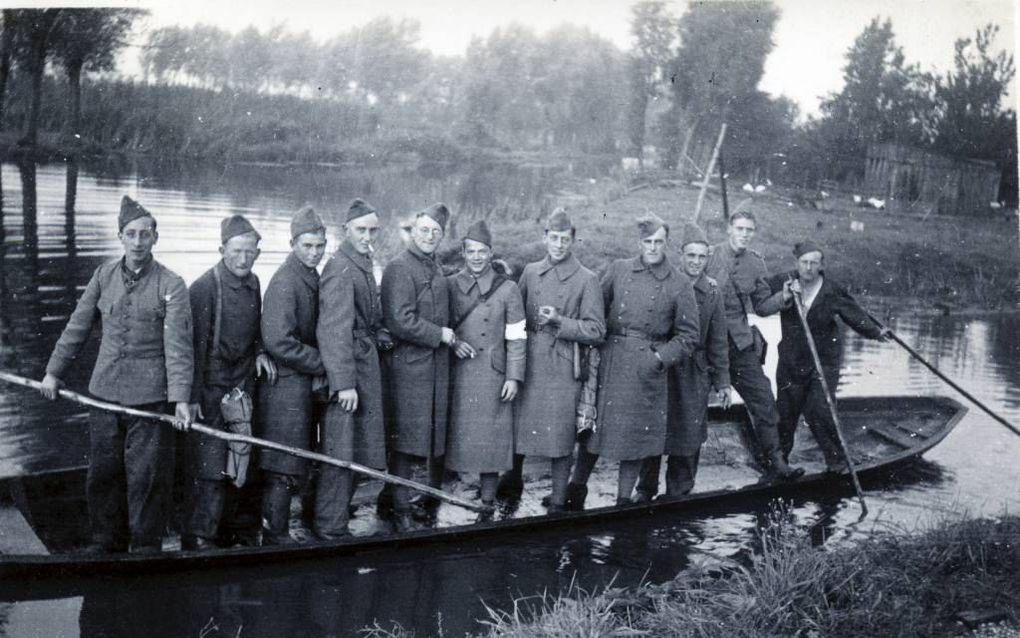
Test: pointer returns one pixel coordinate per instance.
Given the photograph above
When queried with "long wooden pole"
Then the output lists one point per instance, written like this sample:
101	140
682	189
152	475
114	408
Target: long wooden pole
831	401
244	438
970	397
708	173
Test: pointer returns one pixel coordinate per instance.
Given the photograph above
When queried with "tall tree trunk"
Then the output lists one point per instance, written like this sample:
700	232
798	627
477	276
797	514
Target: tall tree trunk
6	49
38	41
73	126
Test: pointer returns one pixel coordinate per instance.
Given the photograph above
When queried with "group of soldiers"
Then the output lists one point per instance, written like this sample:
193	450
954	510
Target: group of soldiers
469	371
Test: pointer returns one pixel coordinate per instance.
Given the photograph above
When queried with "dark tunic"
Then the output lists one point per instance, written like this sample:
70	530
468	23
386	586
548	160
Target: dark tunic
742	279
286	409
224	365
698	374
545	421
650	309
350	315
416	307
481	434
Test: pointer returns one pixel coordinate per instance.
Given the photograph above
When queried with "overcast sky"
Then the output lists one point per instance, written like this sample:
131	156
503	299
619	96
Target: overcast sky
811	37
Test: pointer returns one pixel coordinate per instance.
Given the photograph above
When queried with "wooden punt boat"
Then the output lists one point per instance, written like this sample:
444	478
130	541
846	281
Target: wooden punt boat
43	517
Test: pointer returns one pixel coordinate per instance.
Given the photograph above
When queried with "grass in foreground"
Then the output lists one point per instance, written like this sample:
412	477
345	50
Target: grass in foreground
888	585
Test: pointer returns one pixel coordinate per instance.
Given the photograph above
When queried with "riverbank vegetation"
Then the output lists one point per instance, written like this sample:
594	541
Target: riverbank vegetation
945	265
373	92
889	584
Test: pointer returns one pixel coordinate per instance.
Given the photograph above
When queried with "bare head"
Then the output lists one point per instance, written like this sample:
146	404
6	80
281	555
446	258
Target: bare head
741	230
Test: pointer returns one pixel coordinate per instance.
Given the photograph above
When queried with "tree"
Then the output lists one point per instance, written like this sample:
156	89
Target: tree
87	40
654	32
883	98
723	47
7	43
31	45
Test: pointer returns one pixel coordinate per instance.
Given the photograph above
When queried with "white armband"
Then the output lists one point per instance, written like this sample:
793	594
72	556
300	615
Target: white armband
515	331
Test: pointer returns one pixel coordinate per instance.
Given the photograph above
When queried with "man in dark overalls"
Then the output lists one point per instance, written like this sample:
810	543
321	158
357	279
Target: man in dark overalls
145	362
226	306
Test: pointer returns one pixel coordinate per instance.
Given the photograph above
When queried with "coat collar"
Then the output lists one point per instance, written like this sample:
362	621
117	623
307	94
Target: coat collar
466	281
825	289
363	262
132	276
702	283
564	269
429	260
233	280
308	275
660	271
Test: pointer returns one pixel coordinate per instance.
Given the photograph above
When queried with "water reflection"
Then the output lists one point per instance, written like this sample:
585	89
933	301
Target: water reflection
57	224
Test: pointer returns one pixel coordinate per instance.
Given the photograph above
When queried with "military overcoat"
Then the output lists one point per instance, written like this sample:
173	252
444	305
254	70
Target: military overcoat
545	421
692	380
650	309
350	315
481	434
286	413
145	355
416	306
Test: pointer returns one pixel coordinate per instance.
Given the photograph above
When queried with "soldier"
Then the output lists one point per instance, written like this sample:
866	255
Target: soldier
741	274
145	361
415	304
349	332
652	321
488	316
800	390
707	368
288	411
226	306
564	310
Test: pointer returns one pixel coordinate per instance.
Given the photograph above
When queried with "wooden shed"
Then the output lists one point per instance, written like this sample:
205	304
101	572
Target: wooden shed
910	179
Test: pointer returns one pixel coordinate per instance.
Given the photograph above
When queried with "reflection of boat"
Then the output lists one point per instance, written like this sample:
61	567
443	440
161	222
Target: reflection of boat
881	432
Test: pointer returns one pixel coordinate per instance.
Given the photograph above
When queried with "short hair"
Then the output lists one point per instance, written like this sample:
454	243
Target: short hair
743	214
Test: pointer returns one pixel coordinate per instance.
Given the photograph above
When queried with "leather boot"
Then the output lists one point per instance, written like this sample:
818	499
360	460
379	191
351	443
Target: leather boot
276	512
510	487
778	467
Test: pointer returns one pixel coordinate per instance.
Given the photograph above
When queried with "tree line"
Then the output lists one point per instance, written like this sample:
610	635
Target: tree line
210	91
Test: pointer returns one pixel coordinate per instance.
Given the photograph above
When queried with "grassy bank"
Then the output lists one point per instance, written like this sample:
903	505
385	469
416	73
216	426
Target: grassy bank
947	263
887	585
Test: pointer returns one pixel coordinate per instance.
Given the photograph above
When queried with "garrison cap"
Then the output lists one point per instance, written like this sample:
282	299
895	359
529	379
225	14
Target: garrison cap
358	208
304	221
479	231
805	247
559	221
438	212
692	233
130	210
649	224
236	225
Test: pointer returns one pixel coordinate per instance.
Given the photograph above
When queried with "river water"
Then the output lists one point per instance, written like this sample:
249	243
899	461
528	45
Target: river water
57	223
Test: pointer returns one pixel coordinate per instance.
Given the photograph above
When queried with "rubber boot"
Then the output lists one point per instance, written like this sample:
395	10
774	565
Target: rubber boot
576	494
276	512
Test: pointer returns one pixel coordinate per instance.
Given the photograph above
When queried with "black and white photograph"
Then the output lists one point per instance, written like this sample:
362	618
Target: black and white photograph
491	318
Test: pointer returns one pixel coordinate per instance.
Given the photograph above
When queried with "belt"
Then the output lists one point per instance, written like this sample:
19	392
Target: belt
634	333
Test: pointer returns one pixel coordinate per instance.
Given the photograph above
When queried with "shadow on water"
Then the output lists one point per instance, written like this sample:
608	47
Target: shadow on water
56	227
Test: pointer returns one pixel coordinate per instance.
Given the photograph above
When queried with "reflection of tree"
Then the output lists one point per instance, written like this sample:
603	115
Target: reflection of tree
1004	349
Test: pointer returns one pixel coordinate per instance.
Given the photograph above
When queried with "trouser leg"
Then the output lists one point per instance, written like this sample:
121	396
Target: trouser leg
401	466
487	482
106	482
277	491
790	403
680	474
332	500
148	460
511	484
753	386
823	428
585	465
242	511
625	483
648	480
205	508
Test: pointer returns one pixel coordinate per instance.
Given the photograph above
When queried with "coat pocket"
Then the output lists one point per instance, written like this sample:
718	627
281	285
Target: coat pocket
498	360
411	353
